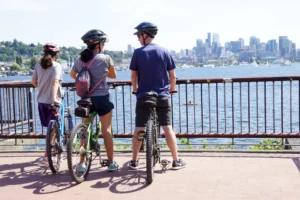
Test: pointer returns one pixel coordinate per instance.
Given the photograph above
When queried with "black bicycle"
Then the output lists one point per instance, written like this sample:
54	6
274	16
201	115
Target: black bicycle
150	137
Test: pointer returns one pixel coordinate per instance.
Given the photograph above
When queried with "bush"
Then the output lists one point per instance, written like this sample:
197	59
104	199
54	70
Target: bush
15	67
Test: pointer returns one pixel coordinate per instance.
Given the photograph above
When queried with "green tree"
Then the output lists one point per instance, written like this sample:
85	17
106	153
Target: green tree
15	67
33	62
19	60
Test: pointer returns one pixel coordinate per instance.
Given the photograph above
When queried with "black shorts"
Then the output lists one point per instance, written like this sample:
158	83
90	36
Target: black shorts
163	110
101	104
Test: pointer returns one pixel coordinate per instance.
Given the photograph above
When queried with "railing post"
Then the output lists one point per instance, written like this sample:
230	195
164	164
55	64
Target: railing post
30	110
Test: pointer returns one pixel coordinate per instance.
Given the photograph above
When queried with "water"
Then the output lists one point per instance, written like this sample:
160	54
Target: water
201	72
195	72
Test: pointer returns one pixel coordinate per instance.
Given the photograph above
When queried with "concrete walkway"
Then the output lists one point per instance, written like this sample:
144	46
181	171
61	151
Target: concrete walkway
226	176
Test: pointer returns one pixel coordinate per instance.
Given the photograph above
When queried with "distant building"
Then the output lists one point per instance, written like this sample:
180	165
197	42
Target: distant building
173	53
298	53
130	49
208	40
272	46
253	50
294	50
284	45
199	45
242	41
254	41
216	38
263	54
235	46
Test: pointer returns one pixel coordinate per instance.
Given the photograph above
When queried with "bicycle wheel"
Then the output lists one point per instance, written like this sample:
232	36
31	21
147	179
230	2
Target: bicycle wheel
78	154
149	152
53	147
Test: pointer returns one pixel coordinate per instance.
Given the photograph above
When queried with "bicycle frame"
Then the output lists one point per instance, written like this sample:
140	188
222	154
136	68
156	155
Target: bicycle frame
59	118
89	123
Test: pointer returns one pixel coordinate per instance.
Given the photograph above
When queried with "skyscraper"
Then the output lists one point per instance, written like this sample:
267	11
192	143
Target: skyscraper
199	44
129	49
242	42
208	40
254	41
216	38
272	46
284	45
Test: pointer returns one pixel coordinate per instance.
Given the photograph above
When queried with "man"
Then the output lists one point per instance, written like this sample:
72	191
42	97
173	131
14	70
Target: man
152	69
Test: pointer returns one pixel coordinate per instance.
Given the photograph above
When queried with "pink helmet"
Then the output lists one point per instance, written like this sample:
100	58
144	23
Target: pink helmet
49	46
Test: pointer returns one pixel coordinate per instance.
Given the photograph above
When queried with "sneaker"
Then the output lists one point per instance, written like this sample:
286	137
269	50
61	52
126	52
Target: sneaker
80	169
44	160
54	160
113	166
178	164
134	164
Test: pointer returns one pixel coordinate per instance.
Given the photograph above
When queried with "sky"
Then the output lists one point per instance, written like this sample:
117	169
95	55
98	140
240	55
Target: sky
180	22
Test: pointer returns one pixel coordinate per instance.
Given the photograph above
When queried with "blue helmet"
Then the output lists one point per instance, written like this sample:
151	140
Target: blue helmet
148	28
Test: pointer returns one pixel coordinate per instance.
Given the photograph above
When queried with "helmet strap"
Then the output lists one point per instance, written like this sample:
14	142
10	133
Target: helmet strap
144	38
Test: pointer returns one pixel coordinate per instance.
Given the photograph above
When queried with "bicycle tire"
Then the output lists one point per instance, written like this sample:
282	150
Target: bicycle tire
66	129
149	152
49	147
71	164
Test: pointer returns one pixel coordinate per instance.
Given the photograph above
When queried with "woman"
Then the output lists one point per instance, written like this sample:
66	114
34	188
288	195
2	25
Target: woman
47	77
101	67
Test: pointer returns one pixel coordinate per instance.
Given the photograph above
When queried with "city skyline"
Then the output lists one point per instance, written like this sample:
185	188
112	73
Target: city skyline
179	23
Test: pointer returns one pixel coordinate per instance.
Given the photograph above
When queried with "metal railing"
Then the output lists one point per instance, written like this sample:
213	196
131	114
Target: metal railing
252	107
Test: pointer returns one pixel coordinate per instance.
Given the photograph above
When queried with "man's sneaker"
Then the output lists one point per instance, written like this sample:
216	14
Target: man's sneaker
178	164
113	166
80	169
134	164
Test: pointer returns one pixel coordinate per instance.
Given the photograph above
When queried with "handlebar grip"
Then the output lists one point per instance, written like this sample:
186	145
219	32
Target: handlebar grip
173	92
134	93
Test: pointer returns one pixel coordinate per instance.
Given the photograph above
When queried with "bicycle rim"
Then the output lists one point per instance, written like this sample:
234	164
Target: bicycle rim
53	147
77	152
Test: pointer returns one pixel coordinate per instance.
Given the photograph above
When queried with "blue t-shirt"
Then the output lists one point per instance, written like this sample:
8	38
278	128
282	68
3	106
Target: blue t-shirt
152	64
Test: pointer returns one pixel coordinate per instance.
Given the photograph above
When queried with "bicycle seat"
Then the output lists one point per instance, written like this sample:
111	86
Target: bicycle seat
86	101
151	99
152	94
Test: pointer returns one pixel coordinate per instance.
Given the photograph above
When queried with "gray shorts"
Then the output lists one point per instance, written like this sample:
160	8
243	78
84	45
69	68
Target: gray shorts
163	111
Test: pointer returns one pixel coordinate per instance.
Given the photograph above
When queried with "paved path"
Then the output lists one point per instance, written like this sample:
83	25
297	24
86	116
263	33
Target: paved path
226	176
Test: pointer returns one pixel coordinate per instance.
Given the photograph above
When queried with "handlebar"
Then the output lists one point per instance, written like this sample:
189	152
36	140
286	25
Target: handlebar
114	85
171	92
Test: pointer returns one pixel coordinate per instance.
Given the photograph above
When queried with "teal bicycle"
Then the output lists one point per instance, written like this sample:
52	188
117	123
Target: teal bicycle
83	142
58	132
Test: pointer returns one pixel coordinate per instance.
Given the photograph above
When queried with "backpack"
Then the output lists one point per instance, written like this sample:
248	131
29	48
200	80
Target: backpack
83	81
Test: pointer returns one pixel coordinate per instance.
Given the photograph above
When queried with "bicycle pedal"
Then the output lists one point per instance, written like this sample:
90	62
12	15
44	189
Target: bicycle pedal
164	164
104	162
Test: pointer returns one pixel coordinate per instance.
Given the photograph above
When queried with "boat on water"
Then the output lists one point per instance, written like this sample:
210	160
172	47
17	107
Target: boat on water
254	63
190	103
209	65
243	63
286	63
268	64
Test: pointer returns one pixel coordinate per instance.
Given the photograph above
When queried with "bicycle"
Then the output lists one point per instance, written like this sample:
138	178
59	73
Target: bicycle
150	137
58	132
83	142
